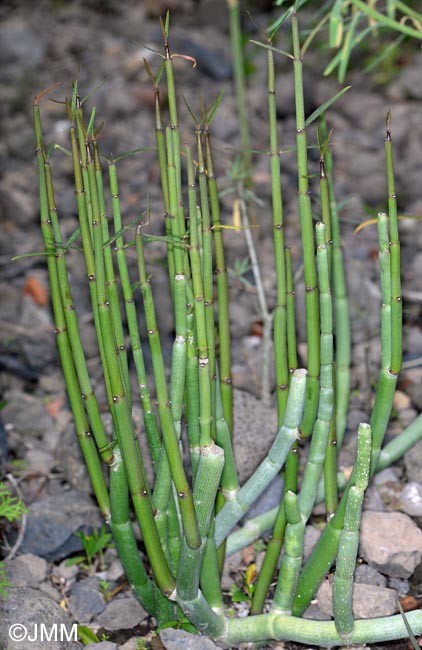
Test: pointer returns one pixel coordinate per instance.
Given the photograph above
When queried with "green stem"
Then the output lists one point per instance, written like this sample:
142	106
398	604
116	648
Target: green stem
305	211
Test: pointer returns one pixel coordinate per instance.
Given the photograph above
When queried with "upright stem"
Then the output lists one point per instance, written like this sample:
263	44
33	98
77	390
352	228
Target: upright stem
240	87
308	246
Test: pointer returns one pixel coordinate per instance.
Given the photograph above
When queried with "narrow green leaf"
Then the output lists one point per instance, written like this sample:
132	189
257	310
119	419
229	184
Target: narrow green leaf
132	153
336	24
94	90
384	54
74	96
212	111
90	129
272	48
21	257
276	25
347	47
73	237
321	109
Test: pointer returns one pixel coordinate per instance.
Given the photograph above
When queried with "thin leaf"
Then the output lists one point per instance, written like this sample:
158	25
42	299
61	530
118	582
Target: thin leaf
321	109
212	111
384	53
73	237
21	257
336	25
275	26
272	48
90	128
347	47
94	90
62	149
192	114
336	59
385	20
74	97
132	153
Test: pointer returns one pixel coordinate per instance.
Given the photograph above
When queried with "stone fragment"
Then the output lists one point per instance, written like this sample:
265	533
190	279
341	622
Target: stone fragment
369	576
173	639
34	610
411	499
369	601
86	600
413	462
52	523
103	645
122	614
390	542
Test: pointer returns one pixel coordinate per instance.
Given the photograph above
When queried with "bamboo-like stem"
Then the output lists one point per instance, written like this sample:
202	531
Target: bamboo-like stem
292	560
205	489
349	539
122	416
207	272
341	306
255	528
325	550
305	211
280	317
75	397
290	313
267	317
240	88
222	291
396	298
170	436
90	401
199	310
330	461
290	628
178	364
124	538
111	282
234	509
151	428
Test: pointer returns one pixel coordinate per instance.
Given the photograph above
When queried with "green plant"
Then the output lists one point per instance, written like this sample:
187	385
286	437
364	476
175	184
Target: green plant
185	522
94	545
350	22
12	509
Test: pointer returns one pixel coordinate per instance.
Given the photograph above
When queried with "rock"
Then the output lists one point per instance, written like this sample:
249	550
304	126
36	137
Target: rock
19	574
408	83
122	614
390	542
413	462
255	428
26	414
131	644
74	468
21	45
269	498
401	400
365	574
104	645
86	600
52	524
312	535
401	585
411	499
369	601
173	639
35	613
